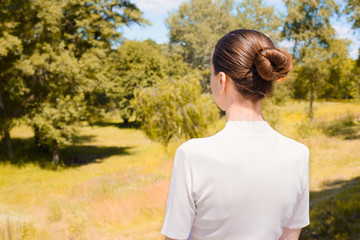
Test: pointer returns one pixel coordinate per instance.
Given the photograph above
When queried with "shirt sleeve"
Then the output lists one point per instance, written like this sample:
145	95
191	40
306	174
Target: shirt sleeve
180	207
300	217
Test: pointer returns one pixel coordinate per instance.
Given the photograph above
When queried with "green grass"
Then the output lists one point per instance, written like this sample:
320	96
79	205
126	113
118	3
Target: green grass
335	212
115	181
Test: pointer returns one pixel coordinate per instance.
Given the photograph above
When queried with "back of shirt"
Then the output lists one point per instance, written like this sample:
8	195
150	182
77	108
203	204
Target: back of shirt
245	182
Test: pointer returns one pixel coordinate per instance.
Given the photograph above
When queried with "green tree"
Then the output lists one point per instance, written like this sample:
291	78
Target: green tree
308	24
140	64
311	73
198	24
354	75
55	70
330	67
338	82
13	99
254	14
349	80
134	64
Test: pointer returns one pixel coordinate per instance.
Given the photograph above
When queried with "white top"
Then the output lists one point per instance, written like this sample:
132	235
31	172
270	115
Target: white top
245	182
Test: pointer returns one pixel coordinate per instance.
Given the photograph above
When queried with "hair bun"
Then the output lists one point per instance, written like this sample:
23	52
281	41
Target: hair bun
273	63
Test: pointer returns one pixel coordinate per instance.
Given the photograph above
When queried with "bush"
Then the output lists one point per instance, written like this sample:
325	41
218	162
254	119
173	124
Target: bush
176	108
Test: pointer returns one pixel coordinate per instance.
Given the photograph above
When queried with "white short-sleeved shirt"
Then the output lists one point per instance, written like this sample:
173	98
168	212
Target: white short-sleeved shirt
245	182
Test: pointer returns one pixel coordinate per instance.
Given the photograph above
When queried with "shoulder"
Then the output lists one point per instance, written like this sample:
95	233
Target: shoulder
292	144
197	145
184	154
198	150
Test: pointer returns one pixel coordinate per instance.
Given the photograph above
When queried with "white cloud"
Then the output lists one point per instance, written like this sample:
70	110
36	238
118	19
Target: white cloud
286	44
157	5
275	1
354	53
345	32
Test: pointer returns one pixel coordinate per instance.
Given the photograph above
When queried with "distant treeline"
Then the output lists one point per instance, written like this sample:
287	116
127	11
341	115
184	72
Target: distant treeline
64	62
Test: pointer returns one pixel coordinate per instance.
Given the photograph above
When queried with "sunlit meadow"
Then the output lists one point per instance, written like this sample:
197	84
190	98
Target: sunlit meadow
119	186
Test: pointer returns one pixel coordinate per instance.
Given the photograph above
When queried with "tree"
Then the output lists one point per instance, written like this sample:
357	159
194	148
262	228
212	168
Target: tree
338	82
308	25
198	24
352	10
354	75
140	64
254	14
134	64
55	69
12	88
330	67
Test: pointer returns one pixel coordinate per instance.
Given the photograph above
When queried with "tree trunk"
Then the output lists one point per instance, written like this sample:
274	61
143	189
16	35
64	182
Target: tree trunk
311	99
55	153
8	145
36	135
44	148
7	138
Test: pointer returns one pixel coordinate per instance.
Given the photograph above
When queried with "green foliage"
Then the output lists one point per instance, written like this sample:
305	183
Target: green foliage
320	63
254	14
329	70
354	77
11	48
198	24
282	92
52	58
59	64
135	64
95	82
312	71
341	80
56	121
138	64
308	21
352	9
308	25
175	108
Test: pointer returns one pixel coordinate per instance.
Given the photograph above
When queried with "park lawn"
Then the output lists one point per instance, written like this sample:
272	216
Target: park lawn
120	190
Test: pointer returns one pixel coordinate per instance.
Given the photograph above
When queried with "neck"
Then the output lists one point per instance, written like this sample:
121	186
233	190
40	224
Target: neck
244	110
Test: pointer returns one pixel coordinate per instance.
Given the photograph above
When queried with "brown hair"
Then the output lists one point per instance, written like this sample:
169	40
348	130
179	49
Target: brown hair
252	61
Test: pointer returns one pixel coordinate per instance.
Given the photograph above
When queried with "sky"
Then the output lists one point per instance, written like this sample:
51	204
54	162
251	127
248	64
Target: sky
156	11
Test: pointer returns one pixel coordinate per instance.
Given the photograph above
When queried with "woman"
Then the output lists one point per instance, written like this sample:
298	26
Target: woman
248	181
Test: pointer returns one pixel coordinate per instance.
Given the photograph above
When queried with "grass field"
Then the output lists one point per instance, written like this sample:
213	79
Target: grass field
116	182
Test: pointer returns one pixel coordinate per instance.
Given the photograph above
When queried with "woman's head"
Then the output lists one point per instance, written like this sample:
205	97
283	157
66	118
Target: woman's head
250	59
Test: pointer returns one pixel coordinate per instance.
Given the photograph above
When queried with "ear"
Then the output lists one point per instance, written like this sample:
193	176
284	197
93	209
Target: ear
223	79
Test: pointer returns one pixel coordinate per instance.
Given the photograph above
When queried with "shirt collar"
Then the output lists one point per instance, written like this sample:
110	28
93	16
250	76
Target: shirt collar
247	128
